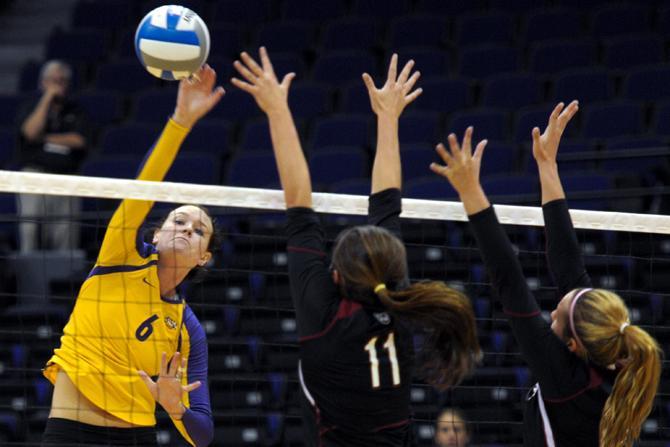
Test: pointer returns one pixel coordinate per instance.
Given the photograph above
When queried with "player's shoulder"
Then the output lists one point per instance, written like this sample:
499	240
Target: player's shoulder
192	324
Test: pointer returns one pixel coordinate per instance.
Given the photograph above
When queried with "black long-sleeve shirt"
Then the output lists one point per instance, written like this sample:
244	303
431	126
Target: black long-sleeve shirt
574	392
355	362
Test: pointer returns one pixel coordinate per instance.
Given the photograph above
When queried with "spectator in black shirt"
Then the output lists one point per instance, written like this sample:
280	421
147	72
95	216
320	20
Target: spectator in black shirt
597	374
52	139
353	315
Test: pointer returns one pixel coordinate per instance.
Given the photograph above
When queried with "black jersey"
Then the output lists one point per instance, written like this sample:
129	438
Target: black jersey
573	391
355	362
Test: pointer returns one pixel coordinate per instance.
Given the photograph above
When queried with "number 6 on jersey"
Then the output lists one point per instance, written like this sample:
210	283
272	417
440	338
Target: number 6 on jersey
389	345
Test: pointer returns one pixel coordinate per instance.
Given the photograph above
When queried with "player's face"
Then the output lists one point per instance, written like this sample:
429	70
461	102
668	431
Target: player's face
451	431
185	234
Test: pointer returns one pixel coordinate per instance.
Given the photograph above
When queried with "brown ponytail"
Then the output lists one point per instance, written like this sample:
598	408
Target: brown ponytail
600	318
367	256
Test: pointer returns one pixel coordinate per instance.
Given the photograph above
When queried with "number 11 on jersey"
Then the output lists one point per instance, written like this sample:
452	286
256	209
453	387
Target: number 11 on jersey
389	345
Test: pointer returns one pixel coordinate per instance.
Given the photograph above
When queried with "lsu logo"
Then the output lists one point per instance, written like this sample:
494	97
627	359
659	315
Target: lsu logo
169	322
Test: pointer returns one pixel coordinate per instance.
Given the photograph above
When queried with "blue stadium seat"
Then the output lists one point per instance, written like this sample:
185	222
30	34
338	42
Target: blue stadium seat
353	98
211	136
517	6
429	188
350	34
626	52
88	45
450	8
632	163
310	100
7	146
199	168
154	106
549	24
585	84
444	95
527	118
620	19
614	119
588	183
558	55
500	158
331	165
511	188
108	15
661	119
663	19
350	130
359	187
227	39
130	139
341	66
253	169
418	127
483	61
112	166
314	11
9	109
238	106
246	12
484	28
255	136
380	9
127	76
429	61
427	31
511	91
286	37
647	84
9	213
416	159
102	108
490	124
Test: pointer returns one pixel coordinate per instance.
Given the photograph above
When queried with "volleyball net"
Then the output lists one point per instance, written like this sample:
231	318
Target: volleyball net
244	303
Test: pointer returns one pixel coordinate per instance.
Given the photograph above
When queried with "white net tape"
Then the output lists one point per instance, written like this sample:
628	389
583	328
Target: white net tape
227	196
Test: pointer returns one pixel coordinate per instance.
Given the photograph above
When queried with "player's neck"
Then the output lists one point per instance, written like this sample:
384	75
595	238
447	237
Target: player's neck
170	277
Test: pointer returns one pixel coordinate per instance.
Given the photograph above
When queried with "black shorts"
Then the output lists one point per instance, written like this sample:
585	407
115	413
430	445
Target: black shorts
64	432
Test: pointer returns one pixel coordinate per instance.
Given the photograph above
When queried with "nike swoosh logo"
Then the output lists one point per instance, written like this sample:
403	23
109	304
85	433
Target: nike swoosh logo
144	280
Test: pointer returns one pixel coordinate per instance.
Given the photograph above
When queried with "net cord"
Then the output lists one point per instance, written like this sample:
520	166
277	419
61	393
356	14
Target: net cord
268	199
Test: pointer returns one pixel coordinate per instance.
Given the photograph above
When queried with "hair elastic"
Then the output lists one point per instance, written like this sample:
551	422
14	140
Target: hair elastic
571	314
379	287
623	327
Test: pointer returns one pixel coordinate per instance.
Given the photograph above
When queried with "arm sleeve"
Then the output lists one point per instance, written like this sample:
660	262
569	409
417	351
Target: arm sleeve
384	209
547	356
314	294
120	243
197	420
563	253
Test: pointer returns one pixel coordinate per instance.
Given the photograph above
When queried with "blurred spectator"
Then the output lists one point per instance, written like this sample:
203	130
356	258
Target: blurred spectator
53	138
451	429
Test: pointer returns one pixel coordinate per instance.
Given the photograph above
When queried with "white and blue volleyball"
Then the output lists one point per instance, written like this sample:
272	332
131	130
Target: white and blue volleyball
172	42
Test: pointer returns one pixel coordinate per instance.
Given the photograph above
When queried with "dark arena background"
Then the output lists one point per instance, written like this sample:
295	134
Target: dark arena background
499	65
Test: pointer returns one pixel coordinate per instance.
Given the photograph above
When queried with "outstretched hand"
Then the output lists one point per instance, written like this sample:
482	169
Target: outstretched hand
197	96
397	92
261	82
545	146
168	389
462	166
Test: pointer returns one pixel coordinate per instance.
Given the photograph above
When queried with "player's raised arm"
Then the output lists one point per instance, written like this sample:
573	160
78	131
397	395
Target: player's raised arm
545	148
271	96
196	96
388	103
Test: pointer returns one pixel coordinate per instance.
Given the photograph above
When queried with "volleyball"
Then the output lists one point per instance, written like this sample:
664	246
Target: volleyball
172	42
